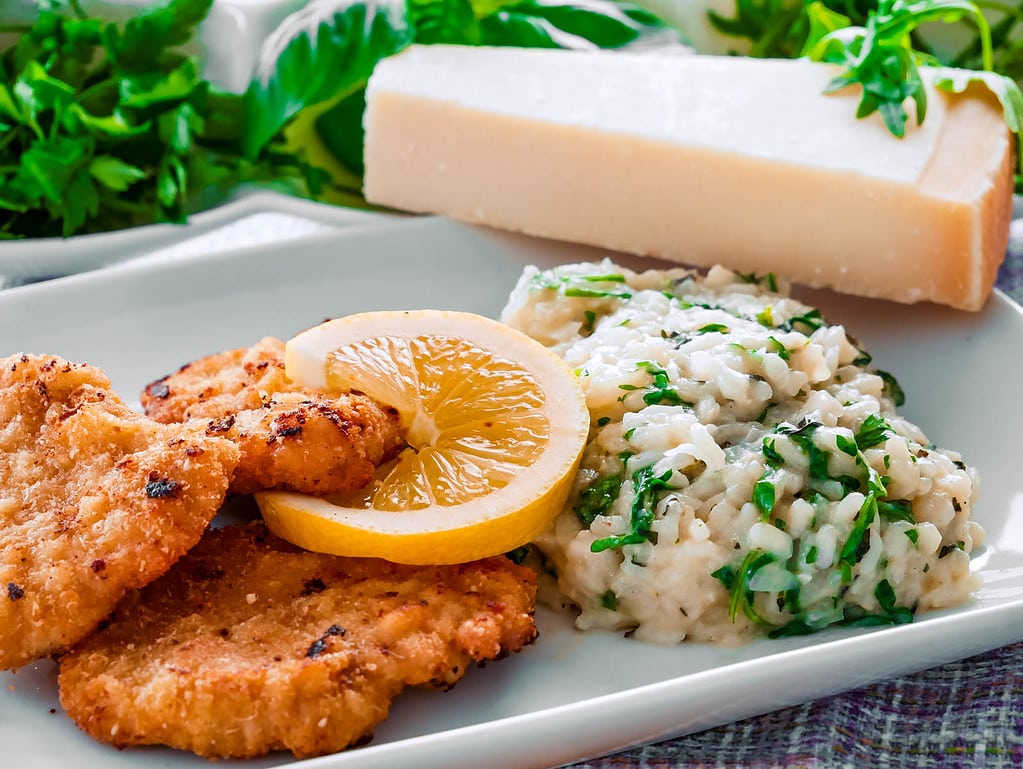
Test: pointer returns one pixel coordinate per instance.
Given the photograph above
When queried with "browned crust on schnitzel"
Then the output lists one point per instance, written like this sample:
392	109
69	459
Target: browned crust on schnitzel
95	500
250	645
290	437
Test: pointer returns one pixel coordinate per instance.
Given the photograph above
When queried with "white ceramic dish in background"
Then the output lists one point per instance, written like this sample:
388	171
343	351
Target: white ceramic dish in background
30	260
230	39
573	694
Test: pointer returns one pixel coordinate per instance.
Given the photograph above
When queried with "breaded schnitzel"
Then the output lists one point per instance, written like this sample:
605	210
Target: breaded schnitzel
95	499
250	645
290	438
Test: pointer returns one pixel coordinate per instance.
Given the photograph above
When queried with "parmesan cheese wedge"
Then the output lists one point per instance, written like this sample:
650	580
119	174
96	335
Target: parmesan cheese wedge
700	160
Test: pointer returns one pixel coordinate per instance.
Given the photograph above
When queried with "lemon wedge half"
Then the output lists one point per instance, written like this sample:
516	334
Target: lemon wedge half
495	425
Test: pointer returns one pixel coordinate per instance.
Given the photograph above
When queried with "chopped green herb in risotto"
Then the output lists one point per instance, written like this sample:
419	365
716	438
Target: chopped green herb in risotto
746	471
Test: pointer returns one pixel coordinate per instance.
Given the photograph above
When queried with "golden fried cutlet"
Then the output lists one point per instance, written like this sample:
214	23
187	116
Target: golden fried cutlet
290	438
250	645
95	499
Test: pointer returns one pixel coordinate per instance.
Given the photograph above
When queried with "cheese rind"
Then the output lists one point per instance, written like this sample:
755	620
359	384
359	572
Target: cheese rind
700	160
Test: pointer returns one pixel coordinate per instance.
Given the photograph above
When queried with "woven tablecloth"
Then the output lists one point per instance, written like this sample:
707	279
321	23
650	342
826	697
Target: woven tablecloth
965	715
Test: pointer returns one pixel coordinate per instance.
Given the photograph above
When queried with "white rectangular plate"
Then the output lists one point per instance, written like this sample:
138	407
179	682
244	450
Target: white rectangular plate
573	694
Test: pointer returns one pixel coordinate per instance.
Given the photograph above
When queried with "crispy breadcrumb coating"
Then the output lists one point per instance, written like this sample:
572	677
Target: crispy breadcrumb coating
95	500
290	437
250	645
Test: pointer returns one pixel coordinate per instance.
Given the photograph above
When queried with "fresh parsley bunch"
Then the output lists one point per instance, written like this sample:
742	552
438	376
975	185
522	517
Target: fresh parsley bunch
98	123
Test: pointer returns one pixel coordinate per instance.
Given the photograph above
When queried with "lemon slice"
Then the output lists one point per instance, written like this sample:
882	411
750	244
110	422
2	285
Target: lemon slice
495	425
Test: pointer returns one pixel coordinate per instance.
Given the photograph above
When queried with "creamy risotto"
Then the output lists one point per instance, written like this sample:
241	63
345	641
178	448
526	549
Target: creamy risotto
746	471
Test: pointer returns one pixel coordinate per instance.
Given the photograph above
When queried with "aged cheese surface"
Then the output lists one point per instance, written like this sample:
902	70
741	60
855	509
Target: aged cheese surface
700	160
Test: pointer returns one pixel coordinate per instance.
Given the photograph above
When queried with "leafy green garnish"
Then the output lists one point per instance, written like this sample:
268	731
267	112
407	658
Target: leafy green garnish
766	317
892	389
774	28
872	432
847	445
767	280
765	493
647	490
879	44
598	498
572	24
582	286
609	600
880	57
324	52
896	510
885	595
660	390
518	555
773	345
805	324
90	110
736	582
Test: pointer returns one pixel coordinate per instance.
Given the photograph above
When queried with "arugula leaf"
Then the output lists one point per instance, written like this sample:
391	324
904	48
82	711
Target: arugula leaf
1005	90
660	390
880	57
880	47
873	431
647	489
1006	43
896	510
737	581
598	498
891	388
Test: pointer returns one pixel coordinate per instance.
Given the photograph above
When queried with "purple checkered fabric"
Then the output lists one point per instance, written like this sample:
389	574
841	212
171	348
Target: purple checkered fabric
965	715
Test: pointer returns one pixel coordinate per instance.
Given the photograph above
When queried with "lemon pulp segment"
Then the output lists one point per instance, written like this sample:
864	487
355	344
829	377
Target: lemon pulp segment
472	420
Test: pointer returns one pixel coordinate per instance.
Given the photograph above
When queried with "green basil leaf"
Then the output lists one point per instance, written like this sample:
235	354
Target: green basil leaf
322	53
505	28
570	24
450	22
340	130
